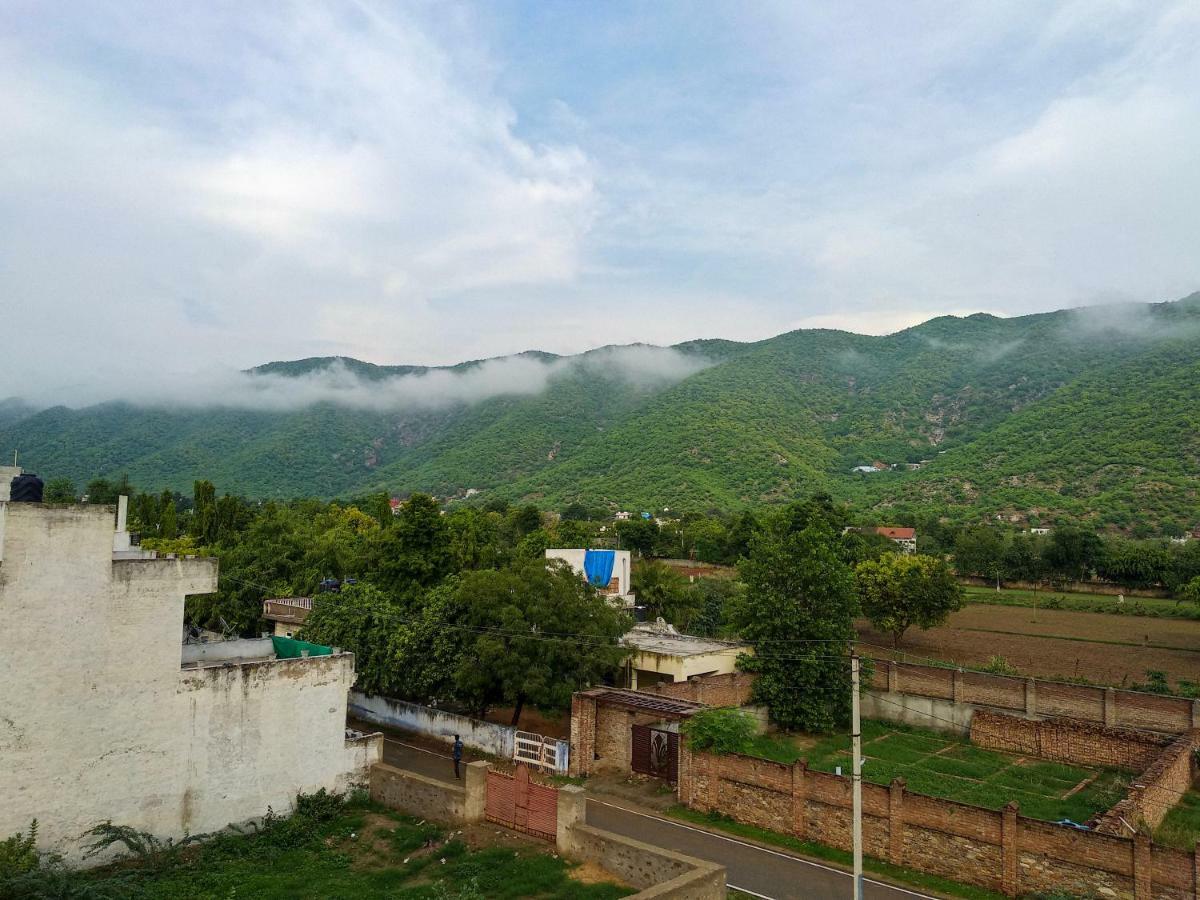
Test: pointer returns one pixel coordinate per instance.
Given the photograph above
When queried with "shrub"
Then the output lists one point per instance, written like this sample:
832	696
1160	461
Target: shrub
18	854
999	665
723	730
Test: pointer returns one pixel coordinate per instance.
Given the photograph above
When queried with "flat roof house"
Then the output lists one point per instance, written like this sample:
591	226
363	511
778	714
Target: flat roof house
663	654
107	716
609	571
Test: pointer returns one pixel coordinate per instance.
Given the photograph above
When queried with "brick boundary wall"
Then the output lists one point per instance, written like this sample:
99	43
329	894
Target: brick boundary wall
1101	588
1068	741
1035	697
1000	850
732	689
1156	790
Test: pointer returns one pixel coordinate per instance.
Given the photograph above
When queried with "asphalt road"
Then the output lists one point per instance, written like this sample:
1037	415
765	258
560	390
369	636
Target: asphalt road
752	869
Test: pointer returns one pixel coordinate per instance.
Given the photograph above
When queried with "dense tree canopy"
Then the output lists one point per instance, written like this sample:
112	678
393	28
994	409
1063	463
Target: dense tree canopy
898	591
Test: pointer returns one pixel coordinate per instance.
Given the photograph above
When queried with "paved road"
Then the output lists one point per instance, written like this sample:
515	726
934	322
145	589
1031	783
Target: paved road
755	870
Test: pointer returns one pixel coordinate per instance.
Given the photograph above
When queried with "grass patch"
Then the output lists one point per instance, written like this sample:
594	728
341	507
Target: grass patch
352	853
1151	607
814	850
950	768
1181	827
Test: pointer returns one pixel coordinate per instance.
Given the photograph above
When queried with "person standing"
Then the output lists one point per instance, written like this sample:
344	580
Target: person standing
457	753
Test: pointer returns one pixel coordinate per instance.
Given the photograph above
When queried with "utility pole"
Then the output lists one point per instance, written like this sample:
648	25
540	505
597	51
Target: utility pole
856	777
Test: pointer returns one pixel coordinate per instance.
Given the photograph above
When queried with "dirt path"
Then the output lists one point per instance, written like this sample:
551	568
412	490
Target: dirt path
1105	648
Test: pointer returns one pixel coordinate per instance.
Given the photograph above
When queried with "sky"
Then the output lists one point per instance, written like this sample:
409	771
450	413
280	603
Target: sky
200	187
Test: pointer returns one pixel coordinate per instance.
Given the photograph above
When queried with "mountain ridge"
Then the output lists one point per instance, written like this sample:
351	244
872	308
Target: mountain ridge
1002	416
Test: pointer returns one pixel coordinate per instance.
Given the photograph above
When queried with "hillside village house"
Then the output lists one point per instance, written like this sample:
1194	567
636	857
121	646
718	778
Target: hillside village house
106	715
663	654
906	538
609	571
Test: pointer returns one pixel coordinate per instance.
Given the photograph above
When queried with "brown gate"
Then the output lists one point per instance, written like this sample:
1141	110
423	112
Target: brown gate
518	803
655	752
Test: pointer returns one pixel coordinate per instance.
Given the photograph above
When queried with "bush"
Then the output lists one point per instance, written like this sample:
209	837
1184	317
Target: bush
18	854
724	730
999	665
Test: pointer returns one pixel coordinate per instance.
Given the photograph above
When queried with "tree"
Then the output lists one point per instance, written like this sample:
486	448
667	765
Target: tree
979	550
168	527
534	633
415	552
638	535
361	619
1190	592
575	512
1073	552
100	490
664	591
797	613
898	591
59	490
526	519
204	512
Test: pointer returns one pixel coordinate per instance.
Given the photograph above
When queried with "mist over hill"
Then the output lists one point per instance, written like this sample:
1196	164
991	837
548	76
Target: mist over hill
1089	414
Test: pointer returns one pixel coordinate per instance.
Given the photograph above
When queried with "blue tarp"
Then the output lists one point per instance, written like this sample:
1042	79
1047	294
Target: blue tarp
598	566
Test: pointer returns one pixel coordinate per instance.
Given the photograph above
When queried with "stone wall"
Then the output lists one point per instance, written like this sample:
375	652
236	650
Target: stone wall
431	798
732	689
487	737
1034	697
99	722
660	873
998	850
602	735
1068	740
1159	788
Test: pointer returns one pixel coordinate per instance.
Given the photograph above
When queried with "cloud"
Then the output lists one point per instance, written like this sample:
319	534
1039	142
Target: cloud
338	384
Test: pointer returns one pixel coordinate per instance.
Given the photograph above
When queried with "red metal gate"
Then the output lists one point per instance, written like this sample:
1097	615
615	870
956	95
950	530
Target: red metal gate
655	752
518	803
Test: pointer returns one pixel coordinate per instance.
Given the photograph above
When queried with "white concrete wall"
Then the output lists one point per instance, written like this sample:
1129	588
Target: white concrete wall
221	651
97	719
487	737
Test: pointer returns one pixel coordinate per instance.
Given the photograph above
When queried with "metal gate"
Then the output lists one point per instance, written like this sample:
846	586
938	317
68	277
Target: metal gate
518	803
545	753
655	752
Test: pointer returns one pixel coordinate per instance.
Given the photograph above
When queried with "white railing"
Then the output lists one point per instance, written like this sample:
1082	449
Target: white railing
545	753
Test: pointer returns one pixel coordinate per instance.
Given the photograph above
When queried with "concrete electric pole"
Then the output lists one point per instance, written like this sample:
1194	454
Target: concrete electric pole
856	778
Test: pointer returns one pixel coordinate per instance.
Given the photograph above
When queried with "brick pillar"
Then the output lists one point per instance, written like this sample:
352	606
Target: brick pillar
1110	706
1030	697
583	735
1141	866
712	763
1010	873
684	785
800	798
896	822
958	686
475	802
1196	720
893	678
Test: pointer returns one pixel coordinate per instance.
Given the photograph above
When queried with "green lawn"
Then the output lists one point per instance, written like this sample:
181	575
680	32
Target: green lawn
1101	603
1181	827
358	851
952	768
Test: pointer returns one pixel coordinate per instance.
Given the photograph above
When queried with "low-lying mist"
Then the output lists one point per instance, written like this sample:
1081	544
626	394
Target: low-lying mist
636	365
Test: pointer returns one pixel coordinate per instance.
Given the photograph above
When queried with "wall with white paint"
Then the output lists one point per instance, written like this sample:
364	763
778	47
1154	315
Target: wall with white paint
98	721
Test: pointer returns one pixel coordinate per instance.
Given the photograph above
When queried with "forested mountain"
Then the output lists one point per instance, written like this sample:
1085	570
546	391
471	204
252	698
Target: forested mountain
1089	414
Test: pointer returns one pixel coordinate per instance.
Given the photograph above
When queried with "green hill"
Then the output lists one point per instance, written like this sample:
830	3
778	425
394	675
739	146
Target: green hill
1090	415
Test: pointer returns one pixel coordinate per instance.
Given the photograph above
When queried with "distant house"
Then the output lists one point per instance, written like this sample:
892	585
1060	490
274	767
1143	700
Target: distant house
866	470
608	570
623	516
905	537
663	654
287	614
395	503
1039	530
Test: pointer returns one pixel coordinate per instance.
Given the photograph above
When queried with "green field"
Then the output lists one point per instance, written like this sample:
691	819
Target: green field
1100	603
1181	827
952	768
343	853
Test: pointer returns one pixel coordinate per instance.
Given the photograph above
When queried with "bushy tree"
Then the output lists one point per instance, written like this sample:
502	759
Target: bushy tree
59	490
414	553
720	730
637	535
979	550
1073	552
898	591
665	593
798	614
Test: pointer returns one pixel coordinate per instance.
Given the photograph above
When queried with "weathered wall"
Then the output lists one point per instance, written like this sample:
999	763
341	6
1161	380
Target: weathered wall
1156	790
662	874
1068	740
97	720
487	737
999	850
731	689
222	651
1037	698
431	798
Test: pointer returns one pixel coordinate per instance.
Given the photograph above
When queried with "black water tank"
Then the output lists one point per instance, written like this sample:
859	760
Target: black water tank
26	488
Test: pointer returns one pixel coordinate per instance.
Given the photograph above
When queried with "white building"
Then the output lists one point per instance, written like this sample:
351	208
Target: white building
663	654
105	715
618	586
